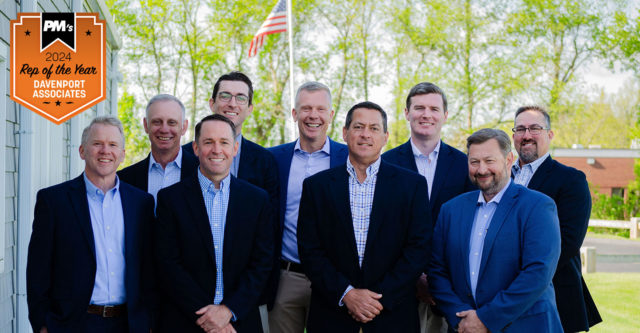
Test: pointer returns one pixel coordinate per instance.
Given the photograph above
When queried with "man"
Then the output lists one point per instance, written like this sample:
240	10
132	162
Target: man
87	266
444	168
213	255
165	123
364	235
495	250
568	187
310	154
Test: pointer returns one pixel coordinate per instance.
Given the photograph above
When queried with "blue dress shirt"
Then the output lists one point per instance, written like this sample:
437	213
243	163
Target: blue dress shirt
426	164
481	222
303	165
107	223
216	201
522	175
160	178
236	159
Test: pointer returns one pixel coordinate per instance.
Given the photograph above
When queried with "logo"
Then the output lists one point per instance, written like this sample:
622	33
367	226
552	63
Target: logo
58	63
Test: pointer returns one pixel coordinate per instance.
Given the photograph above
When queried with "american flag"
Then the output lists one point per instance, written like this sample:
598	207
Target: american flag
275	23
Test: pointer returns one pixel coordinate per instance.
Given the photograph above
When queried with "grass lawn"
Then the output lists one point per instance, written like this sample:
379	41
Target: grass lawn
617	296
609	236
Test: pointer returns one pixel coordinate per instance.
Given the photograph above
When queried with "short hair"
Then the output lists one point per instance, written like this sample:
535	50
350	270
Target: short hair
233	76
366	105
535	108
312	86
486	134
215	117
164	98
104	120
425	88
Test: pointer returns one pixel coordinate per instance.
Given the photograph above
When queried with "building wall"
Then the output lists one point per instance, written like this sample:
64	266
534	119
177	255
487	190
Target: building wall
605	173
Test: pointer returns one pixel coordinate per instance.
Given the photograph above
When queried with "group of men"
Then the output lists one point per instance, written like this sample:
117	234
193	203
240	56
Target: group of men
223	235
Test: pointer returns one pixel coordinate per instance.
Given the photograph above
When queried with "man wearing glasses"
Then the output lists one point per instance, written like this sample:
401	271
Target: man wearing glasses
232	97
568	187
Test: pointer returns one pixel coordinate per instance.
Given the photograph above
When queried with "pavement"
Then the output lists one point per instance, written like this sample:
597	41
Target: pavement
615	255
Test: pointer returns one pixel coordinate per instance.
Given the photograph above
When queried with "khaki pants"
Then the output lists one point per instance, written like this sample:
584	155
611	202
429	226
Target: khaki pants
291	307
429	321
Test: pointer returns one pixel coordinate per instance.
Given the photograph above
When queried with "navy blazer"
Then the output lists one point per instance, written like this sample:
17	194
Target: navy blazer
569	189
397	248
185	256
138	174
451	178
61	263
521	250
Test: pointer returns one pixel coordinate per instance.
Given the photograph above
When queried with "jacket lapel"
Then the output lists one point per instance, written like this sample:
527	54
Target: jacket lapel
78	198
543	172
442	170
198	209
407	158
338	154
130	223
234	216
380	206
340	189
247	157
468	213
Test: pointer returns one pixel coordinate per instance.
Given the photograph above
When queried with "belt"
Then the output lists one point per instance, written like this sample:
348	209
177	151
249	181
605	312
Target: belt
291	266
107	311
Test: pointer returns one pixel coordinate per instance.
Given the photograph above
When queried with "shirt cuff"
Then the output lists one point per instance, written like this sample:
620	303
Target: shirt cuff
233	316
344	294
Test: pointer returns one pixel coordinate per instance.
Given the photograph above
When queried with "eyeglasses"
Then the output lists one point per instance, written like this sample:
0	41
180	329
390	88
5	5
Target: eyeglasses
240	98
533	130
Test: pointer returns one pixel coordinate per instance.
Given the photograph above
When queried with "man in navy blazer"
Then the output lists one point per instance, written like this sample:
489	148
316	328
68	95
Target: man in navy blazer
213	255
364	235
311	153
444	168
568	187
88	266
167	163
495	250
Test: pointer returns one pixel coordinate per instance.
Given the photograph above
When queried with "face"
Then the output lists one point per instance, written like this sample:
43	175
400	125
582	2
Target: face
103	152
313	114
165	126
426	116
488	167
531	147
215	149
365	137
231	109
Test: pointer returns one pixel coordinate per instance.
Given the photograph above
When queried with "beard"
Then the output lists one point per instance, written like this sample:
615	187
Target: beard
528	156
494	186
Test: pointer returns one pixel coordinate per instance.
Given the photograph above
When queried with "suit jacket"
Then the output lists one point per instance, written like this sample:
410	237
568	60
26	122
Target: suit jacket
397	248
185	256
451	177
61	263
138	174
569	189
521	249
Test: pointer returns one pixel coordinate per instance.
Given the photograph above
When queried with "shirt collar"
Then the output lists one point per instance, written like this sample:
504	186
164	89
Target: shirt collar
325	148
239	140
207	185
418	153
94	192
177	161
372	170
534	165
495	198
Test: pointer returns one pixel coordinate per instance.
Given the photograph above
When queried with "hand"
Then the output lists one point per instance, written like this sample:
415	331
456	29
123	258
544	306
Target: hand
44	329
470	322
422	287
227	329
363	304
214	318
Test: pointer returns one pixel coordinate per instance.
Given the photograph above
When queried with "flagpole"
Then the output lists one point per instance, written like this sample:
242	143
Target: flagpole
291	80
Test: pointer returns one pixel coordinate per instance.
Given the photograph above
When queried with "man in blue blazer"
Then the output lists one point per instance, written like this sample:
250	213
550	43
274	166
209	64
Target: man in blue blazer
88	266
213	255
364	235
311	153
495	250
568	187
444	168
167	163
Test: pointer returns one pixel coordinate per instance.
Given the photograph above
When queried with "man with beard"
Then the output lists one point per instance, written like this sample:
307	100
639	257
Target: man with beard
568	187
495	250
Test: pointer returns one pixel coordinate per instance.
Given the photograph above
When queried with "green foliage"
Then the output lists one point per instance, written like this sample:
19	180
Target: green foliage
136	141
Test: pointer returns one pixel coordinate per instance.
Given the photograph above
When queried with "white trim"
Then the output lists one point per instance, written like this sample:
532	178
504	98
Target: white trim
4	56
596	153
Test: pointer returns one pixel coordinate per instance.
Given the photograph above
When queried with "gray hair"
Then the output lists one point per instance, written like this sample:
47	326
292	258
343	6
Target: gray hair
486	134
535	108
312	86
104	120
163	98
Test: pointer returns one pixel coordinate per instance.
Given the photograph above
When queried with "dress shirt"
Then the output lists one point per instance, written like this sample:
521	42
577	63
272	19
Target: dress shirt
107	223
481	222
303	165
361	199
160	178
522	175
236	159
426	164
216	201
